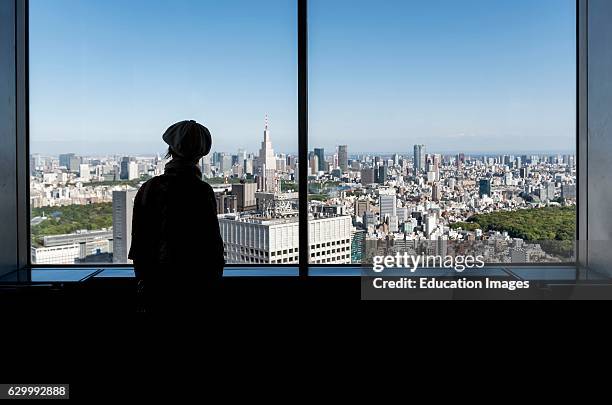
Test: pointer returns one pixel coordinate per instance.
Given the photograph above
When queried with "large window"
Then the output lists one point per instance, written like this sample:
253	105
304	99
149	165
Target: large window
108	77
442	126
446	126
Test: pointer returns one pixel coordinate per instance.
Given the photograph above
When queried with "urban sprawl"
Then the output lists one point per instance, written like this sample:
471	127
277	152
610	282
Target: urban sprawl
360	205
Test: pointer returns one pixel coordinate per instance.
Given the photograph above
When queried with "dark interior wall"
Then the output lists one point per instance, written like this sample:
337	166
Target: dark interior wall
8	130
600	135
118	296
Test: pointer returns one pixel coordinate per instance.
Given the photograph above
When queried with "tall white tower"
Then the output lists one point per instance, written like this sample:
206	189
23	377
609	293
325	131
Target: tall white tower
266	153
267	162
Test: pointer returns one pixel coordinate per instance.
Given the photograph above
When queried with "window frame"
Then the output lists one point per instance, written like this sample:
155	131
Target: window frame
20	229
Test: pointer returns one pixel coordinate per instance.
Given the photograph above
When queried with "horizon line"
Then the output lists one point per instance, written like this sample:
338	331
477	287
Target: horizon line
478	153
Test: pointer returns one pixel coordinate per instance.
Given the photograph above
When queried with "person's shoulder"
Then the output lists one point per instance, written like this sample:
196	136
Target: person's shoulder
154	184
155	181
206	187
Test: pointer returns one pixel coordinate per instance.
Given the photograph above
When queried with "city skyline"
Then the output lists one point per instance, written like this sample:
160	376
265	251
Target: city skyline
429	201
351	155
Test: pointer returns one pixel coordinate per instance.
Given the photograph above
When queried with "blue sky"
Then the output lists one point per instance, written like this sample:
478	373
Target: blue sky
473	75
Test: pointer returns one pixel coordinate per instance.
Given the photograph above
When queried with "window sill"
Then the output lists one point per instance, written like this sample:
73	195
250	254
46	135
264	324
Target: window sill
41	275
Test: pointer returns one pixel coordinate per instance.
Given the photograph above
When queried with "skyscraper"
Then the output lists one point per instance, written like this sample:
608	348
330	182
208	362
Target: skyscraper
248	166
123	205
84	172
125	168
343	157
314	164
242	155
357	245
388	204
66	160
133	171
225	164
367	176
70	161
524	172
419	158
547	191
320	152
436	192
267	163
383	174
484	188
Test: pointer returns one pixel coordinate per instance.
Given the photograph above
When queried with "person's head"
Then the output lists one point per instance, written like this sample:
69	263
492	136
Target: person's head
188	140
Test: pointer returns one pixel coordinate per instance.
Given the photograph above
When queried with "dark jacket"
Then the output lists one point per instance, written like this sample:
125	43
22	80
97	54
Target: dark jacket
175	231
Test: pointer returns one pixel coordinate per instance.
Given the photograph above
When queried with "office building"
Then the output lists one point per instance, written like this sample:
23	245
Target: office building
249	166
70	161
568	191
225	164
133	172
60	249
314	164
64	254
460	161
383	174
123	205
64	160
320	153
387	204
361	207
484	188
357	246
343	157
436	192
393	223
292	162
367	176
369	220
245	196
84	173
547	191
267	240
420	162
126	168
524	173
206	168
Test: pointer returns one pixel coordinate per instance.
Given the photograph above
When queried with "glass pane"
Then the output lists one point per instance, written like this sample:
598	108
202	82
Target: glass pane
442	128
108	77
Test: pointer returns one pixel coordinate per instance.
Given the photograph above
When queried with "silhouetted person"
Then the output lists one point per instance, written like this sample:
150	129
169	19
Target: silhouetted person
177	248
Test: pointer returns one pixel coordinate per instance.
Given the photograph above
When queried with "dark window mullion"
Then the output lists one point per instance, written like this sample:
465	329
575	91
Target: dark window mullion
303	133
